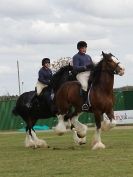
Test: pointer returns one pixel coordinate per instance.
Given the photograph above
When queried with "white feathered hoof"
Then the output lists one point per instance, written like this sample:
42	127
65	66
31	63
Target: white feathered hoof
105	125
82	141
59	132
98	145
60	129
30	144
81	133
77	140
113	123
41	144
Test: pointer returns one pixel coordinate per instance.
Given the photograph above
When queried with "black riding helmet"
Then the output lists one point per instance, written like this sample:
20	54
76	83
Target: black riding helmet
81	44
45	60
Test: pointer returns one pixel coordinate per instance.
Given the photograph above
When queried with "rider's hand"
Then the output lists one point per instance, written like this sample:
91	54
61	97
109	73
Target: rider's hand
90	67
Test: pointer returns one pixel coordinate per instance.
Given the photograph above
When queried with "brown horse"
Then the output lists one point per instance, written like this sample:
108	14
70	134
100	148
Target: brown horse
100	97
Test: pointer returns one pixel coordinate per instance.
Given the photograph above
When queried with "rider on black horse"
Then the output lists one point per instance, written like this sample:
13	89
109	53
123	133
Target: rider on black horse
82	64
44	77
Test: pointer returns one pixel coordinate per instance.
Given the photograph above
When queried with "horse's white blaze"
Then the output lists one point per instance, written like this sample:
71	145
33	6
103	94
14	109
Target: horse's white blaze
96	143
60	128
122	69
78	140
115	59
121	66
79	127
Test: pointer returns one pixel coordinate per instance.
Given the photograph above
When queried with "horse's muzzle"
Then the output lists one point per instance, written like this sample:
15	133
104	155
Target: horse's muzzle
121	72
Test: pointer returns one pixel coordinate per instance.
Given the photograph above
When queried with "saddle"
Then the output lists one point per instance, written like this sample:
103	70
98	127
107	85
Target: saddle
34	99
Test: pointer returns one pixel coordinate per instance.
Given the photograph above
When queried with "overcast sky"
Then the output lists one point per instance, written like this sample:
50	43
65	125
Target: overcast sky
33	29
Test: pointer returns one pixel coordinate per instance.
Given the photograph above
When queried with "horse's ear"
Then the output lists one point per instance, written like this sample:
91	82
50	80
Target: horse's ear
70	67
103	53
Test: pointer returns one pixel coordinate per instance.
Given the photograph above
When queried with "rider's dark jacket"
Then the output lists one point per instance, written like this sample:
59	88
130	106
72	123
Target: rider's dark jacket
81	62
45	75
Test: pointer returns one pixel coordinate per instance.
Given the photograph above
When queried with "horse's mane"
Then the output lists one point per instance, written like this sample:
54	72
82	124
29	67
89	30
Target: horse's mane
56	78
62	70
98	66
95	73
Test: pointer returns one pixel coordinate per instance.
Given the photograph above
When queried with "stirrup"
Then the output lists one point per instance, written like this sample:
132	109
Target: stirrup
85	107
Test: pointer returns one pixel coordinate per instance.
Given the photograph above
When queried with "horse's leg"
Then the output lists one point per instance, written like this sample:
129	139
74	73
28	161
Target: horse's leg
68	124
80	128
109	121
77	140
60	128
38	142
97	143
111	118
29	140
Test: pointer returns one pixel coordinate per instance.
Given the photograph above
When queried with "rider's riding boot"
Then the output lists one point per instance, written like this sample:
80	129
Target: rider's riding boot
85	106
29	103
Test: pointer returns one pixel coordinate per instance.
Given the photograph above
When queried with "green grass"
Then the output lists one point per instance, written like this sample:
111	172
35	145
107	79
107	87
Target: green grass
65	159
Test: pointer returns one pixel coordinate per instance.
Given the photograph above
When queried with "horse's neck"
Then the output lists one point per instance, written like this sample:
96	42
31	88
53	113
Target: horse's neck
57	81
105	82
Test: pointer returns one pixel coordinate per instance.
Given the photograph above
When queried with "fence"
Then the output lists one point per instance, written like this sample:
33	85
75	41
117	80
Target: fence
123	101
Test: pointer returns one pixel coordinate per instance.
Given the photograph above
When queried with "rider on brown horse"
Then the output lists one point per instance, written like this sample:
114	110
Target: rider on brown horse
82	63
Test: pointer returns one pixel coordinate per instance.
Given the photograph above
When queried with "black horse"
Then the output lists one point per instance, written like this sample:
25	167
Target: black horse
40	108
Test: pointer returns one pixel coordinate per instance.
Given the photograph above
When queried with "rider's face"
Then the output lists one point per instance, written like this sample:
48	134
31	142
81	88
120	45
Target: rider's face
47	65
83	50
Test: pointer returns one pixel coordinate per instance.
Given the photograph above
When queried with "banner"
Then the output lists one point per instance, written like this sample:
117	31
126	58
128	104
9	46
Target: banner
124	117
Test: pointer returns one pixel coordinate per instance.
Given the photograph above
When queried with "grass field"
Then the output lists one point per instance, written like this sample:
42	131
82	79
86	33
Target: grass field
65	159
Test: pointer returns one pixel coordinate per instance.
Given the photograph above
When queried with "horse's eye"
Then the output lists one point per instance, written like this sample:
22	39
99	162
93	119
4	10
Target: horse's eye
109	60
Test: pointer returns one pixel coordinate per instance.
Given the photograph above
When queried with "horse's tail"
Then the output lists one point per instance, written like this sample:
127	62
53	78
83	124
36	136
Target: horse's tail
14	111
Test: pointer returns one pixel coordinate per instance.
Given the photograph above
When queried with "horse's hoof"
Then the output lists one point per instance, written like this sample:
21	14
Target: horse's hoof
59	133
98	145
80	136
81	143
60	130
113	123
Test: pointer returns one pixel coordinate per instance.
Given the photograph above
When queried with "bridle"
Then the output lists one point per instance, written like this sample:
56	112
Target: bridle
111	70
114	70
